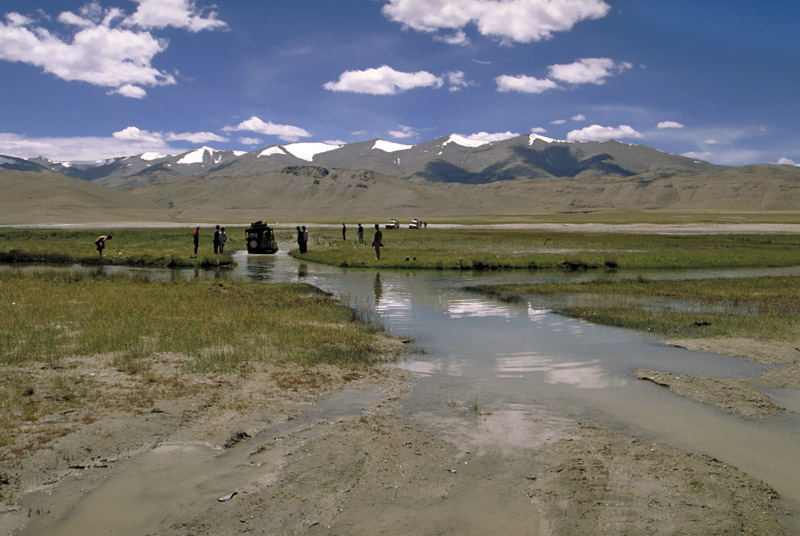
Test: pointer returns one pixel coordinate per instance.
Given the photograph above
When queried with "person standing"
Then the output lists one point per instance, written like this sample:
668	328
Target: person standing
216	240
222	239
360	234
344	232
196	237
300	239
377	242
305	240
101	243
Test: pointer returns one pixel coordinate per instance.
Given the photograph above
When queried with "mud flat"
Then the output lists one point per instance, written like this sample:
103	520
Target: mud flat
327	450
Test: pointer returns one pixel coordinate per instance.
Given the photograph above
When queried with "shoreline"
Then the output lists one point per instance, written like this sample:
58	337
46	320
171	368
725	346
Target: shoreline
320	450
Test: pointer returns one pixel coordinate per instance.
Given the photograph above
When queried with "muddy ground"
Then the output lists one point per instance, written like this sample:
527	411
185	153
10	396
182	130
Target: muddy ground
288	450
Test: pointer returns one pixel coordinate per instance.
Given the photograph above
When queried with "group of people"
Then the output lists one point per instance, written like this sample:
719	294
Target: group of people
360	233
220	237
377	241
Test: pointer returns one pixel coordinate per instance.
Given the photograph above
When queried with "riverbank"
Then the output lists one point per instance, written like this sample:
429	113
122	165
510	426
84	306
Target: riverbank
281	457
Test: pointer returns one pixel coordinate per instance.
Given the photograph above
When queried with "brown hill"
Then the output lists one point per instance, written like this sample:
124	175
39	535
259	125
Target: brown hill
315	193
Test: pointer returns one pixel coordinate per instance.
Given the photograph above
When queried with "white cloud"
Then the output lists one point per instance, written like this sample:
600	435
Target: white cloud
587	70
600	133
283	132
382	81
137	135
100	46
196	137
457	38
456	81
84	148
521	21
404	131
246	140
130	91
669	124
579	117
177	13
787	161
523	84
538	130
486	137
558	121
711	141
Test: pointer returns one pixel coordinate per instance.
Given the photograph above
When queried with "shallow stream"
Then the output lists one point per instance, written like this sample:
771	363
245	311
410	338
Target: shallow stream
517	360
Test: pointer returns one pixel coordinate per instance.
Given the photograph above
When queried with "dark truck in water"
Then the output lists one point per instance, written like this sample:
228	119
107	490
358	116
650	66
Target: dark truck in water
260	238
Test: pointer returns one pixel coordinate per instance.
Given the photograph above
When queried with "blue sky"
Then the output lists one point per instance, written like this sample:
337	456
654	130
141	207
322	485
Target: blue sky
716	80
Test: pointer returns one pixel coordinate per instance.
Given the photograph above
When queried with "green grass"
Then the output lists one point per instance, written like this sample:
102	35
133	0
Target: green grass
131	247
220	325
766	308
493	249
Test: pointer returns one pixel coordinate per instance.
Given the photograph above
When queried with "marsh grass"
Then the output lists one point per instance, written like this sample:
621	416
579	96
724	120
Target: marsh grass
172	248
765	308
494	249
220	325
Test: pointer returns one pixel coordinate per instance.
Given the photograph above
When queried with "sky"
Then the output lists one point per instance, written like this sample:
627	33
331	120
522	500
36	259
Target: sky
713	80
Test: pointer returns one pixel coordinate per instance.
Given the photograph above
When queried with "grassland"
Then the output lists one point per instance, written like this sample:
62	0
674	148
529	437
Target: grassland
763	308
508	249
220	325
170	247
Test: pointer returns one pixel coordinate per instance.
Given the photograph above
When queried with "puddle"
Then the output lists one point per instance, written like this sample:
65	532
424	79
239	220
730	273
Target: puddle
172	481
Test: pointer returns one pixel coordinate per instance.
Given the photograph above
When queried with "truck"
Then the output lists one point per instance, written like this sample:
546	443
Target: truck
260	239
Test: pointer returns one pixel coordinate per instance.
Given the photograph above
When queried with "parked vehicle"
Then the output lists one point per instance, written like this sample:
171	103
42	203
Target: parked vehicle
393	224
415	224
260	239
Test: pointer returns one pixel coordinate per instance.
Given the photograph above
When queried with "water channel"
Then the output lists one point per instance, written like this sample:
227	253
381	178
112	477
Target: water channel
517	359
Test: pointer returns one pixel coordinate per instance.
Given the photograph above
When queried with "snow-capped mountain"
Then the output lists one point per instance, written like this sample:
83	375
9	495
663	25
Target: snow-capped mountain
451	158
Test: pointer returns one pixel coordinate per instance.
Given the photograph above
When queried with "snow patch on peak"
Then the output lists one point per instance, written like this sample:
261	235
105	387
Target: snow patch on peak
239	153
534	137
307	151
464	142
269	151
196	156
390	146
151	156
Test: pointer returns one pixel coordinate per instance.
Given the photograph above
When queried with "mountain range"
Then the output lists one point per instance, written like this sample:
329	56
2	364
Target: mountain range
446	177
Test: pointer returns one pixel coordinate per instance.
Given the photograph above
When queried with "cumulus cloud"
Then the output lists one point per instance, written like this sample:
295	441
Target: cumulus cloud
578	117
558	121
177	13
268	128
403	131
102	46
787	161
538	130
582	71
521	21
588	70
523	84
135	134
382	81
600	133
196	137
669	124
